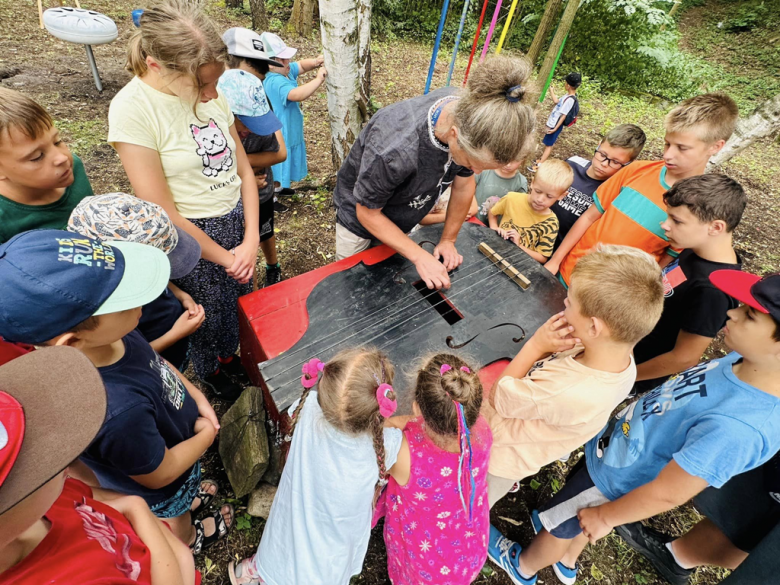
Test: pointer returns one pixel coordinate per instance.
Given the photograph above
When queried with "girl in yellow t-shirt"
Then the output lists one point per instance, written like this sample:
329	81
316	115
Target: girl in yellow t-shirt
175	135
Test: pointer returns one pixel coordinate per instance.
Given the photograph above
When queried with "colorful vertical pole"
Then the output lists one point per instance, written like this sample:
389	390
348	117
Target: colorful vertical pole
552	71
436	44
506	27
463	16
476	41
490	31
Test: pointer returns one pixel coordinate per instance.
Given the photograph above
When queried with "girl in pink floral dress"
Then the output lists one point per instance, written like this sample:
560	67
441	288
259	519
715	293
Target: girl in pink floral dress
436	506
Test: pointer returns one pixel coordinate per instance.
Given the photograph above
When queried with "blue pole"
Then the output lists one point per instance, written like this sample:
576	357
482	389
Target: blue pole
457	40
436	44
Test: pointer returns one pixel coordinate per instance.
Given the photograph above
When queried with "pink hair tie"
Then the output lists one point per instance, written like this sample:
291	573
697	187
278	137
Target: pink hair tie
311	371
446	368
387	405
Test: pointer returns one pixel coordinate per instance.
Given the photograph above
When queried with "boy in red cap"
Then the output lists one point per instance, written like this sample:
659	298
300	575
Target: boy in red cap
58	530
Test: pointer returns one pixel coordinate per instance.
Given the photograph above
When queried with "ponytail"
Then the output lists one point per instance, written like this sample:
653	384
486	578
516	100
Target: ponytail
136	56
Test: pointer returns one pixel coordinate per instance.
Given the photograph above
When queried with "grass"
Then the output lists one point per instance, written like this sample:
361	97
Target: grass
83	136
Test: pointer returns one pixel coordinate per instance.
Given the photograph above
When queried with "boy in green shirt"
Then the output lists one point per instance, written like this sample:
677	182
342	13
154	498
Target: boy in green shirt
41	182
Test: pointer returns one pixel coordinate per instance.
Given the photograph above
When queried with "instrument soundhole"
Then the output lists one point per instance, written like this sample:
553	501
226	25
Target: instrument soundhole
438	301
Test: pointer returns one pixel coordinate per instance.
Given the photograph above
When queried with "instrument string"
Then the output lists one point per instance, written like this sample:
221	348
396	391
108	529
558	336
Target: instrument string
420	298
493	263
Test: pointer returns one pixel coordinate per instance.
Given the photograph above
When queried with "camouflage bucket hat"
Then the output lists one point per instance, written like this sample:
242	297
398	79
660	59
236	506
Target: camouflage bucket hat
120	217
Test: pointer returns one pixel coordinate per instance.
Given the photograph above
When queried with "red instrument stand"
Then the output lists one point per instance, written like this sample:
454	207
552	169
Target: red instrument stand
273	319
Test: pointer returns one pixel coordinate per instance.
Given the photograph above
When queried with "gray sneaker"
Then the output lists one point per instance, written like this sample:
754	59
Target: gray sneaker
651	544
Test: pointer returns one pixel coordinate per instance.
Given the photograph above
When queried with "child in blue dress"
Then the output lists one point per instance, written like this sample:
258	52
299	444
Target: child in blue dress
281	88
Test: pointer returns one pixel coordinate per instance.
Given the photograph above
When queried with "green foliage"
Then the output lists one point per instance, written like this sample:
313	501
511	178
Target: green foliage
243	522
749	16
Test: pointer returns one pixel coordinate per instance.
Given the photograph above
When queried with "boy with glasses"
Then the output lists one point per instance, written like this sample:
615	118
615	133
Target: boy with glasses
628	209
618	149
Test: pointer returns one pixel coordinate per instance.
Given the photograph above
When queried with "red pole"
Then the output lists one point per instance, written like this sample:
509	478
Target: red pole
476	41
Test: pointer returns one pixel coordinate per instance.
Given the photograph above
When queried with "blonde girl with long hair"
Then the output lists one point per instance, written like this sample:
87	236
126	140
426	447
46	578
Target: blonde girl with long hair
320	520
175	135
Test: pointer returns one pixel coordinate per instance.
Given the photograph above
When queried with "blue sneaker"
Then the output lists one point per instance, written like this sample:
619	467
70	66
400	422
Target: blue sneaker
505	554
566	575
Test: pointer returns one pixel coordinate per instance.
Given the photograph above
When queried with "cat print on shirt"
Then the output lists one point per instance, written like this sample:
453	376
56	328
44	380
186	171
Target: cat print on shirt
212	148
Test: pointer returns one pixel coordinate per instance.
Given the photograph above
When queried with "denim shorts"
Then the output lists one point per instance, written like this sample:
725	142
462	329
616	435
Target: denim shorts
549	139
180	502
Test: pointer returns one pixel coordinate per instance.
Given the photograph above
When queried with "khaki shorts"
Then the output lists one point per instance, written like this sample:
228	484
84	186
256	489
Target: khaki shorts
348	244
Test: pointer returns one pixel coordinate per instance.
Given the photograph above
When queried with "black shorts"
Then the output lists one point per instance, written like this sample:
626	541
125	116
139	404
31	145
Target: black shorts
267	220
742	509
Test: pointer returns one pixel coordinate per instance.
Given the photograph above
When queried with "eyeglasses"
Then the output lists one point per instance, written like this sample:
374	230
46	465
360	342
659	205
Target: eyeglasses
615	164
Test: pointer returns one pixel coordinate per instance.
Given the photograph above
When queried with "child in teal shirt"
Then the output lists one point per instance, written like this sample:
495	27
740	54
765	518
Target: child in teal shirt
281	88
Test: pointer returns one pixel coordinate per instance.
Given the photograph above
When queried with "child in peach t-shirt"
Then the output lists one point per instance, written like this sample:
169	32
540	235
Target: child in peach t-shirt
561	388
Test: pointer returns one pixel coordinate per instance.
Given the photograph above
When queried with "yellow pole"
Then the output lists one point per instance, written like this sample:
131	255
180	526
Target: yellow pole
506	26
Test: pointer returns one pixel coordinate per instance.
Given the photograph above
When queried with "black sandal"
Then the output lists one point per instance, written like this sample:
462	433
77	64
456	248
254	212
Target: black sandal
205	497
203	542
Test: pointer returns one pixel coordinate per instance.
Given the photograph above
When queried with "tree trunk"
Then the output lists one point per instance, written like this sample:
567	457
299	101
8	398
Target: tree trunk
552	53
675	8
345	26
549	16
764	121
302	18
259	15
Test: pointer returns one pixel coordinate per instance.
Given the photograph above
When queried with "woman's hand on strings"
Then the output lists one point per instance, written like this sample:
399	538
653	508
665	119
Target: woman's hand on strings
554	336
433	272
448	254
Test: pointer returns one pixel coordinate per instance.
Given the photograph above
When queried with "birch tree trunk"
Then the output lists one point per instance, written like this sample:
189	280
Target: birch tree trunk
259	15
552	52
764	121
346	39
302	18
550	13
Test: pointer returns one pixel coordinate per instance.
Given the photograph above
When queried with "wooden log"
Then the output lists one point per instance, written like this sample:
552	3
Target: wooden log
243	442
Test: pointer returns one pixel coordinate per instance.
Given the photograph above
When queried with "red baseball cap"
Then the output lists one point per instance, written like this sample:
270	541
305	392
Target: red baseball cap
52	405
763	294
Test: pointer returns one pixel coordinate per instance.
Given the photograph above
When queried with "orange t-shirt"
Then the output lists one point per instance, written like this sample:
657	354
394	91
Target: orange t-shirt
633	208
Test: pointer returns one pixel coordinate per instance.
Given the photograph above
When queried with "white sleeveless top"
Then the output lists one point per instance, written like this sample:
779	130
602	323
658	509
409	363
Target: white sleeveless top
320	520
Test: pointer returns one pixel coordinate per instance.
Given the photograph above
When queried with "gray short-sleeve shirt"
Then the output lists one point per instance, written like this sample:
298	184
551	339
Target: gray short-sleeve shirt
395	166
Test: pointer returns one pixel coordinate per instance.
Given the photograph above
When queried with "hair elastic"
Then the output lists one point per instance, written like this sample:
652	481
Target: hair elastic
387	405
512	98
311	371
446	368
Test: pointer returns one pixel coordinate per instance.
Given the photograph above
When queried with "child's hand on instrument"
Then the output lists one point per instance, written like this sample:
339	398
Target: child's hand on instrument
554	336
512	236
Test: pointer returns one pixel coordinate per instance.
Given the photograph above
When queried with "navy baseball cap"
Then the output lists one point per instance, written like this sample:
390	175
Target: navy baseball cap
52	280
763	294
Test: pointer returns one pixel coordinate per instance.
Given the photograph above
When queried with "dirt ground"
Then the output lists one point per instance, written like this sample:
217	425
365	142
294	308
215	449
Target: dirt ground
57	74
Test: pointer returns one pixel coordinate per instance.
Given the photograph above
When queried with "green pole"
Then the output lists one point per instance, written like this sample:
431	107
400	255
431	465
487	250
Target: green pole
552	71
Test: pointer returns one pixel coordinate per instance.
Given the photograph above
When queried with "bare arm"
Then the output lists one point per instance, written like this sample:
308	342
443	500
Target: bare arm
576	232
687	352
540	258
146	175
307	89
402	468
309	64
169	565
434	217
551	91
180	458
673	487
377	223
246	253
261	160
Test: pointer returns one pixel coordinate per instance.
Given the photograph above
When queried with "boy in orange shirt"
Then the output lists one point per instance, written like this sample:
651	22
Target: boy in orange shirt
628	209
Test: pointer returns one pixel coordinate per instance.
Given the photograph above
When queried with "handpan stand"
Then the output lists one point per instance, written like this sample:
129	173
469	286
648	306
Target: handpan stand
375	298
